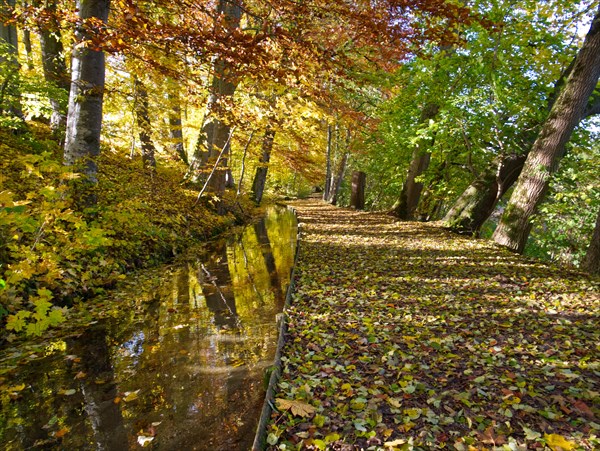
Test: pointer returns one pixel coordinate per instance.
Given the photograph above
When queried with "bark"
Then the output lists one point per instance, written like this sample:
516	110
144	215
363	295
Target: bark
357	198
260	178
142	117
176	124
243	165
477	202
591	262
215	130
10	97
337	180
411	189
327	188
84	118
542	161
55	72
28	49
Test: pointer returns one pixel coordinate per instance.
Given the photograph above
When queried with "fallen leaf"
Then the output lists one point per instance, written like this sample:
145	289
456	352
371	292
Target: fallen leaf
144	440
557	442
61	432
298	408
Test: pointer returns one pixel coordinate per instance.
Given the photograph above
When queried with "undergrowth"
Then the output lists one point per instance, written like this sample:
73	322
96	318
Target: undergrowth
53	255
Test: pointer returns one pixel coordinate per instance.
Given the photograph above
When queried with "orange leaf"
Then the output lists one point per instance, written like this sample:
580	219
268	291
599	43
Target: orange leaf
61	432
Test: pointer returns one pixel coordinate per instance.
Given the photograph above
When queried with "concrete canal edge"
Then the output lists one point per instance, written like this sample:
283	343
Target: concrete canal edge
261	428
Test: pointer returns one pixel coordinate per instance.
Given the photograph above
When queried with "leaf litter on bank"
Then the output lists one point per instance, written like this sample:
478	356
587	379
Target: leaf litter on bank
404	336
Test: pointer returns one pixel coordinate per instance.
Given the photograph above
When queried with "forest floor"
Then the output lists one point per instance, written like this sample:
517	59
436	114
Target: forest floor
405	336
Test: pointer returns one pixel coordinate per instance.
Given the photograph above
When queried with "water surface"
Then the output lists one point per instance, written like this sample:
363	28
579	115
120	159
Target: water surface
180	366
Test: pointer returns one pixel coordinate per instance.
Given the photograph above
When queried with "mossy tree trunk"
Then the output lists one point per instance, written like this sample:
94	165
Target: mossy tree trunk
477	202
542	161
591	262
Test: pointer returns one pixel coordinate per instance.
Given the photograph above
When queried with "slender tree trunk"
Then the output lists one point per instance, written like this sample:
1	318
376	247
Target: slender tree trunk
216	128
591	262
542	161
175	123
338	179
142	117
327	187
28	49
411	189
243	165
10	96
477	202
84	118
260	178
55	72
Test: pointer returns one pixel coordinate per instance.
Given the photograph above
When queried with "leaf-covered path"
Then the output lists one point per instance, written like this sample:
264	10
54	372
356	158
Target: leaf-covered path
405	336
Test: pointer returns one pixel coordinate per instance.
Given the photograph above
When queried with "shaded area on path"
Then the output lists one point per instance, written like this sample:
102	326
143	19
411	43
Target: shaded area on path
405	336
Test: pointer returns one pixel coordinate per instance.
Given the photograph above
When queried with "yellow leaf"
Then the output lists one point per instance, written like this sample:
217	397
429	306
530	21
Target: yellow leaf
557	442
16	388
298	408
131	396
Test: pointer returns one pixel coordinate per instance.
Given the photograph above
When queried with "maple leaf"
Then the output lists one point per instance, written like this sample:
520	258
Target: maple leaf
298	408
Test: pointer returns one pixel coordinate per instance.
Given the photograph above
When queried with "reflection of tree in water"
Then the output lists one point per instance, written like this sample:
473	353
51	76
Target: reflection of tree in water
198	372
99	389
218	289
260	228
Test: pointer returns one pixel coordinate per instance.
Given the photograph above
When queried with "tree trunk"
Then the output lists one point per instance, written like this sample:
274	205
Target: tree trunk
260	178
216	128
357	198
175	124
591	262
84	118
477	202
243	165
542	161
142	117
411	189
28	49
327	188
337	180
55	72
10	96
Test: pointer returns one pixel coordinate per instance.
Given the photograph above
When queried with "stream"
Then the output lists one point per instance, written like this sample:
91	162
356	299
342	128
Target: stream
178	365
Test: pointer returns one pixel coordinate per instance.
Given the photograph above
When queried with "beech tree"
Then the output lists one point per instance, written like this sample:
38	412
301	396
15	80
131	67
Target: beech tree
542	161
142	117
84	118
55	69
214	139
10	101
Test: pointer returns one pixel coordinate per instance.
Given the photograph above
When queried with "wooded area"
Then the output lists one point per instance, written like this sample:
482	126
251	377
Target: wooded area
131	128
